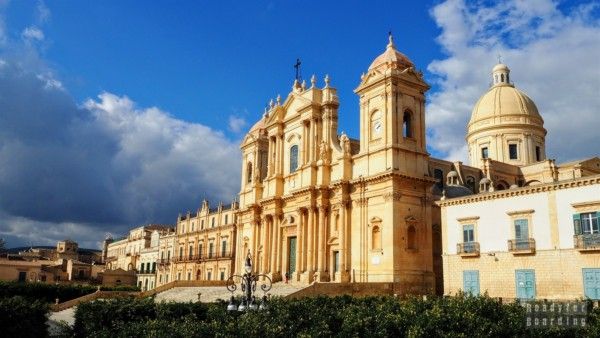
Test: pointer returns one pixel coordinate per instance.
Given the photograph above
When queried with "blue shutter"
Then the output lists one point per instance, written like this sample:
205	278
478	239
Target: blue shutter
468	233
293	158
471	282
525	284
521	229
577	224
591	283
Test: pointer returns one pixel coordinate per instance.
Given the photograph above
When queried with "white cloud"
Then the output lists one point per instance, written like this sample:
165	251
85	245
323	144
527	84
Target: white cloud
106	165
32	33
554	57
236	123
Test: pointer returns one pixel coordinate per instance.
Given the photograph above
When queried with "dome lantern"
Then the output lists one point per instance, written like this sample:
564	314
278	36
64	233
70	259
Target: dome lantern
501	75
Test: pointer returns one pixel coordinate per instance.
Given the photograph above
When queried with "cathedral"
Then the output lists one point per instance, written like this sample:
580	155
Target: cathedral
317	206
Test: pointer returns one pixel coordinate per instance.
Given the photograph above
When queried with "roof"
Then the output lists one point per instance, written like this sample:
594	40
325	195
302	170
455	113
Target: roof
391	56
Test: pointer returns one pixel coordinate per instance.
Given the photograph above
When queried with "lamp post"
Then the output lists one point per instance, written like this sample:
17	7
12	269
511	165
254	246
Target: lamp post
248	283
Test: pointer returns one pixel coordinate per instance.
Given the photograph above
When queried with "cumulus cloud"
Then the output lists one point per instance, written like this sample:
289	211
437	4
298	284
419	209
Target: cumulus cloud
106	165
236	123
554	56
32	33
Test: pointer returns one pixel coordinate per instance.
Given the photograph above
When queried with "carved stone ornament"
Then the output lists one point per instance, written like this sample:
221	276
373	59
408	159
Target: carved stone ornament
345	143
324	151
392	195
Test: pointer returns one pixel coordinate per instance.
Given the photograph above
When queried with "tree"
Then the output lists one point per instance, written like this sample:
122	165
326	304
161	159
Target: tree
2	245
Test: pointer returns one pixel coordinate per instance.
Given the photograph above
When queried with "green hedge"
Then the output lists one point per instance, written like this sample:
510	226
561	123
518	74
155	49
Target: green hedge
322	316
49	292
21	317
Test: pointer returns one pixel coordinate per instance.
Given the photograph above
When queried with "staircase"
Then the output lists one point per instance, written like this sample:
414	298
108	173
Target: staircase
213	293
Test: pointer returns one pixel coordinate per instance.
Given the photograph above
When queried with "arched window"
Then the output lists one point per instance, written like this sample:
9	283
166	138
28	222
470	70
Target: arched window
407	124
293	158
376	238
249	172
438	174
501	77
411	235
471	183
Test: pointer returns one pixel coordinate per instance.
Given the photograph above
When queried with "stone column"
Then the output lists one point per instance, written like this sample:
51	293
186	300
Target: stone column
277	246
309	240
300	240
321	242
263	242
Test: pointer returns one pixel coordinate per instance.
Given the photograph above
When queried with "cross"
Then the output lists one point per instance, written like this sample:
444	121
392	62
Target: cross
297	66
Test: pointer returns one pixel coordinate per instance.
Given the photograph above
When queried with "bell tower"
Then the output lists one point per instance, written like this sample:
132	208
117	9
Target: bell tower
392	113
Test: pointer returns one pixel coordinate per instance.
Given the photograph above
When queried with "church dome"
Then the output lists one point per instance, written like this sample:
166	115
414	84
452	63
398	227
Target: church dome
505	124
391	57
503	99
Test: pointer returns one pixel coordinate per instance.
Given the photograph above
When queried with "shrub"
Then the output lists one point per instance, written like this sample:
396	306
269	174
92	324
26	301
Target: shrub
20	317
49	292
344	316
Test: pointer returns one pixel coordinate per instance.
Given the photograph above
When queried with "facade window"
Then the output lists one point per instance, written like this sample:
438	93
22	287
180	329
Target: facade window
210	249
202	224
226	219
249	172
376	238
154	267
181	253
407	124
293	158
411	235
191	251
169	254
222	275
521	230
513	153
166	278
525	283
179	276
468	233
208	275
589	223
591	283
223	248
471	282
192	226
200	250
438	174
484	152
471	183
189	276
212	222
538	153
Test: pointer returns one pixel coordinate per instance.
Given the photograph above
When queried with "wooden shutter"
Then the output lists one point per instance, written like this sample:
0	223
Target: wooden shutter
577	223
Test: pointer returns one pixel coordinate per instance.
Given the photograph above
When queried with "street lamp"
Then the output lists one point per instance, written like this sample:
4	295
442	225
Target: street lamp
248	282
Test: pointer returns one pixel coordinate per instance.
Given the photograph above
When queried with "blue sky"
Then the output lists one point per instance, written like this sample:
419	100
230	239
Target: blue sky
119	113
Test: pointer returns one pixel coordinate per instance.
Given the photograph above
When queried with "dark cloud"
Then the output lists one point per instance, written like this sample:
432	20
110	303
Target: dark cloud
70	170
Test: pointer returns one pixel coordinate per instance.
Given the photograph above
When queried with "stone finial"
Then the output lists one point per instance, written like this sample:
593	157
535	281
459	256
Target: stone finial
271	104
296	84
279	99
390	41
327	81
303	84
313	81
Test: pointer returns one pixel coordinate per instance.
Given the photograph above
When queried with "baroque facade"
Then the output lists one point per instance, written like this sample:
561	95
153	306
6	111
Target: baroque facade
316	205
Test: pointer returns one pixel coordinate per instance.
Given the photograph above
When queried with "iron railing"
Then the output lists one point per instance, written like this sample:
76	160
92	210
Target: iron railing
468	248
587	241
521	245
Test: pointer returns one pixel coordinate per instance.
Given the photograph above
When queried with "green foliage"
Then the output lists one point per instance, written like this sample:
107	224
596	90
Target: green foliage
20	317
459	316
49	292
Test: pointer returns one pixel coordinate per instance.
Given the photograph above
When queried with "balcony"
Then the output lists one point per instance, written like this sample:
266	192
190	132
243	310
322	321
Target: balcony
521	246
468	249
202	258
587	242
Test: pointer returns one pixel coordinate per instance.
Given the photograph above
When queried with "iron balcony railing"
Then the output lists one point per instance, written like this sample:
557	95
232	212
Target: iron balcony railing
587	241
468	249
204	257
521	245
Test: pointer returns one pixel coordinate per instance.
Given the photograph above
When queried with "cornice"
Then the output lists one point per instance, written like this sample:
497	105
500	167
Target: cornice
580	182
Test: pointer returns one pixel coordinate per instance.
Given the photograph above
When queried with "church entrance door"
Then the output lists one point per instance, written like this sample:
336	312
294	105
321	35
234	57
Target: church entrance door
292	255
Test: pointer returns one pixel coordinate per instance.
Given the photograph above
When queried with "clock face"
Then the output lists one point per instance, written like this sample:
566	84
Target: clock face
377	127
